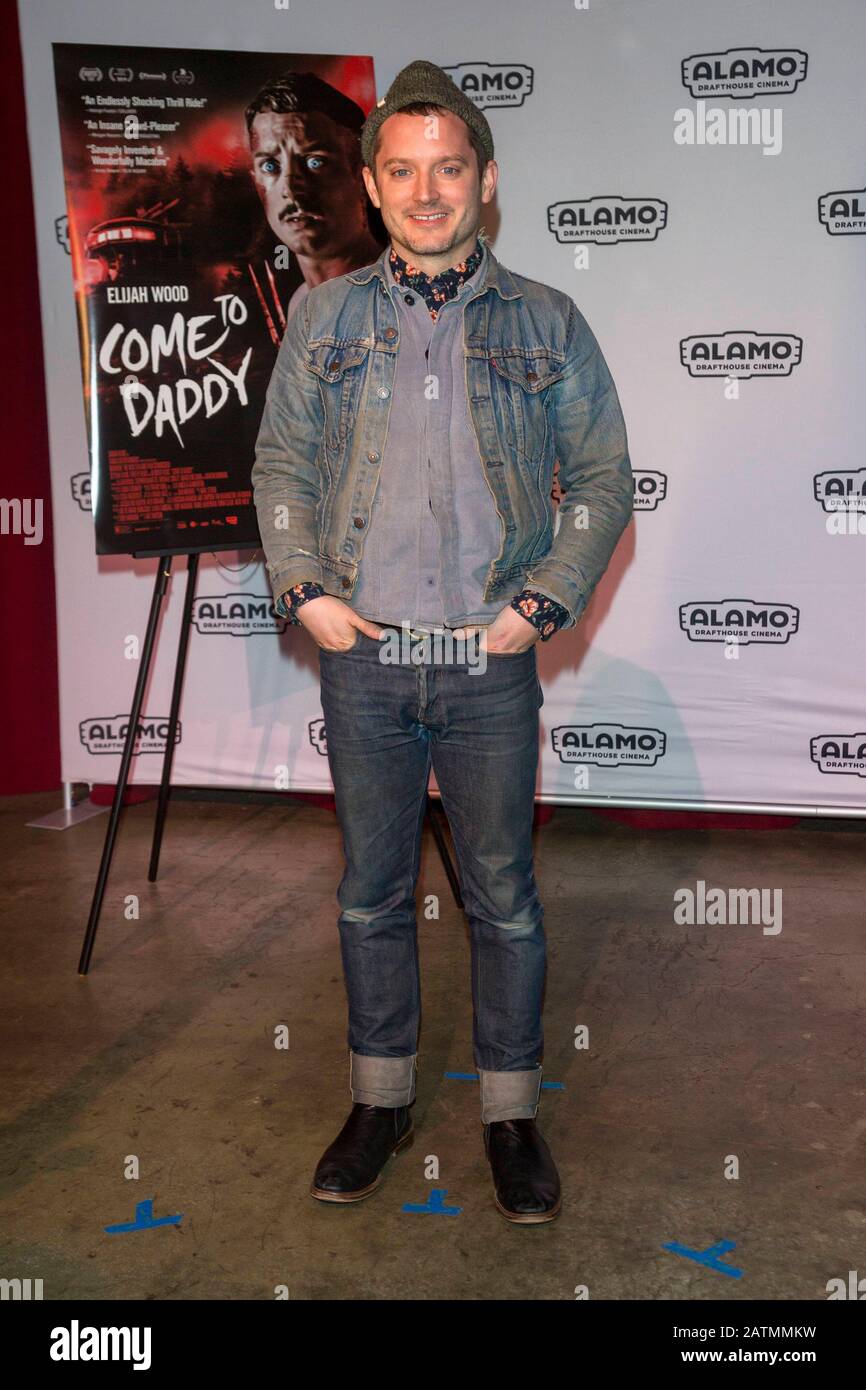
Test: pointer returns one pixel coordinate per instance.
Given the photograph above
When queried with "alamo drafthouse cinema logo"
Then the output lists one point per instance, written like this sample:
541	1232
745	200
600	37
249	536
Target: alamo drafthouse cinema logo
650	488
80	485
492	84
607	219
742	620
841	490
742	354
844	213
318	735
744	72
608	745
840	753
107	734
236	615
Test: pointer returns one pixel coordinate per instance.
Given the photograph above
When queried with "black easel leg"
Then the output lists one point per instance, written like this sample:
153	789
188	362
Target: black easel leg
439	837
168	759
163	570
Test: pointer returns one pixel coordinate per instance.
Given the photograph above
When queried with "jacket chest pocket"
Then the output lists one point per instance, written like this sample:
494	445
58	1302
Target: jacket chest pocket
522	382
340	370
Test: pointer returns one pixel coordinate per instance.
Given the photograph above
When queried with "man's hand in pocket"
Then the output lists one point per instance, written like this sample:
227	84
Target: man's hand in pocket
332	624
509	634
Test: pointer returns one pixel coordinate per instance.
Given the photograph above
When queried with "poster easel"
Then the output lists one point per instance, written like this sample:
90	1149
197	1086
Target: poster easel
163	573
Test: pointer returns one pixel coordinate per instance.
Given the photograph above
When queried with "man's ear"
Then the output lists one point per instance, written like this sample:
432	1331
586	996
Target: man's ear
489	180
370	185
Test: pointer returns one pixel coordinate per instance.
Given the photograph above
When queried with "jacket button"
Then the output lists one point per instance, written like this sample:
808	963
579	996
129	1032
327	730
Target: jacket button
409	298
532	376
334	363
390	333
383	392
345	583
373	456
359	522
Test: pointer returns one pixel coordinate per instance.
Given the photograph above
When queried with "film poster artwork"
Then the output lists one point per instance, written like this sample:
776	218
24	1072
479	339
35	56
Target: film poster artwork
206	193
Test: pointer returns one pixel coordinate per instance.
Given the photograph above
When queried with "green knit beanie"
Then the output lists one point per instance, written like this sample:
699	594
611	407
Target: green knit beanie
423	81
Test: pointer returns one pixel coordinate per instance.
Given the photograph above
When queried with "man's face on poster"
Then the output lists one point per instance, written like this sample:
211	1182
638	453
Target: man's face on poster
312	196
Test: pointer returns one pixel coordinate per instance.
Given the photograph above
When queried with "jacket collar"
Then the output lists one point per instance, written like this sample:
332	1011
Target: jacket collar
497	278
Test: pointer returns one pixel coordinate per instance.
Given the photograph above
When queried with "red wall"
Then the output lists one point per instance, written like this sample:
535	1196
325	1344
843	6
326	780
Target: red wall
29	712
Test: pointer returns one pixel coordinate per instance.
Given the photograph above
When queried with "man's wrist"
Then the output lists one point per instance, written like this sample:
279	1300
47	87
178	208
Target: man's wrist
292	599
543	612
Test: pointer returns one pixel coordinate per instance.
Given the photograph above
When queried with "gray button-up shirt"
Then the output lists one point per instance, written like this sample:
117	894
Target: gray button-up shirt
434	528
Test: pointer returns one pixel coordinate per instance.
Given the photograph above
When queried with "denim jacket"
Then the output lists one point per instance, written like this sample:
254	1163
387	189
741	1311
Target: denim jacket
538	389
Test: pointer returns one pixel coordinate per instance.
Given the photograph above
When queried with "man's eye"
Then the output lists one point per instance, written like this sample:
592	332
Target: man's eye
454	168
314	161
269	166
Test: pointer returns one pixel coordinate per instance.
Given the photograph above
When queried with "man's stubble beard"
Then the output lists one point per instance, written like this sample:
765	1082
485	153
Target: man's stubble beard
403	234
437	249
428	250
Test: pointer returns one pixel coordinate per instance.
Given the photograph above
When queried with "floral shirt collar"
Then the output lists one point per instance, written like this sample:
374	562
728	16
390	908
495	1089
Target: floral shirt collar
435	290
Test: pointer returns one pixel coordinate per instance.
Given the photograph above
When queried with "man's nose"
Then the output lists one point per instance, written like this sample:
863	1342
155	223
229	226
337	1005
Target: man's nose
426	190
292	180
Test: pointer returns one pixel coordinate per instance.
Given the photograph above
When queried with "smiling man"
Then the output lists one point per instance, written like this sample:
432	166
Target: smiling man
306	155
402	483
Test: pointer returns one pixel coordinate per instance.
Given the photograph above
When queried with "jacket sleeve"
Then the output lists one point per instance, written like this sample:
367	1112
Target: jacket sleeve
595	474
286	478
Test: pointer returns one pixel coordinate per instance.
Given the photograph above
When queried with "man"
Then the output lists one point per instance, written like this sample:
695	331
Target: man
402	480
306	159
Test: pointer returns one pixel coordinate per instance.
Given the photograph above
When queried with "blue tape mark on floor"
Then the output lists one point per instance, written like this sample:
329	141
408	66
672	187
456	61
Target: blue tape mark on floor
144	1219
708	1257
473	1076
434	1205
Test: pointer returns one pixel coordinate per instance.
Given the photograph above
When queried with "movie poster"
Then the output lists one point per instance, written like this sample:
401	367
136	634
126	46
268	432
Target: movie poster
206	191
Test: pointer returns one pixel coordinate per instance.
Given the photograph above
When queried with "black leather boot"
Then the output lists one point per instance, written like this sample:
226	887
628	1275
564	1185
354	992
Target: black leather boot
351	1167
525	1180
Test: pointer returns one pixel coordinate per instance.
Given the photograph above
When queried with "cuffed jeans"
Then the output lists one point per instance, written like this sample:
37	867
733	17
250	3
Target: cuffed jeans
386	724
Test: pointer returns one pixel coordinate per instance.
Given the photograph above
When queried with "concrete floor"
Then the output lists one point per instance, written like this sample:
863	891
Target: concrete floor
705	1042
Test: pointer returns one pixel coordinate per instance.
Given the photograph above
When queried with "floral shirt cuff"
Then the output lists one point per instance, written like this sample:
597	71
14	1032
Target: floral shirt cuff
287	604
540	610
543	612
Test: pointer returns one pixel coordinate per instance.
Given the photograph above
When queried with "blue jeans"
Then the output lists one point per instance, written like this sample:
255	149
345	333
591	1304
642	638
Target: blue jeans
385	726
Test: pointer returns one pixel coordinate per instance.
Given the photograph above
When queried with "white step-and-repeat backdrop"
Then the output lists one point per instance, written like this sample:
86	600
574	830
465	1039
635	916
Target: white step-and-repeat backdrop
693	175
